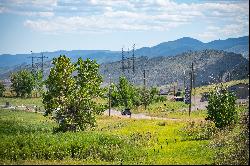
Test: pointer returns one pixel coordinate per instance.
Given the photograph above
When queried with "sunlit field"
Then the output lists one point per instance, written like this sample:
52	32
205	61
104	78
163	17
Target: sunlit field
27	138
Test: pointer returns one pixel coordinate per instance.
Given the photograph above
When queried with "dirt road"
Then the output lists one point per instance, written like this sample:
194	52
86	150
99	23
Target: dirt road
134	116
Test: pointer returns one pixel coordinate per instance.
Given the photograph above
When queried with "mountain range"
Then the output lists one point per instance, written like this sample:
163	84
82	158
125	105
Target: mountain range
237	45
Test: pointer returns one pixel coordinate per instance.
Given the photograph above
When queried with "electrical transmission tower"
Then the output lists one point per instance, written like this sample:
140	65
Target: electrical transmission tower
32	63
42	57
126	61
42	64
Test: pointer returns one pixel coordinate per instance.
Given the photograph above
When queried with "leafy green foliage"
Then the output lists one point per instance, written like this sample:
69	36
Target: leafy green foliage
71	98
221	107
2	89
231	145
149	96
23	82
124	94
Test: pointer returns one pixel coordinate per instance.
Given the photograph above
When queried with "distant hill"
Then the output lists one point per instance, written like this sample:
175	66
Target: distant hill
237	45
210	66
102	56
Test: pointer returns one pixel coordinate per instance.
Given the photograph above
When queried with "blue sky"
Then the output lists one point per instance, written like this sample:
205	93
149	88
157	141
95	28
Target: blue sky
50	25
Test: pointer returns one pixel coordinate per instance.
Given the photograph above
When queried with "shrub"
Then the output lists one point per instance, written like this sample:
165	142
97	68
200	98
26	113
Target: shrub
203	130
221	107
231	145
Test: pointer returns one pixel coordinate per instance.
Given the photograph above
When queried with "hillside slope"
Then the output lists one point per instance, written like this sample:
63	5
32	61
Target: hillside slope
209	66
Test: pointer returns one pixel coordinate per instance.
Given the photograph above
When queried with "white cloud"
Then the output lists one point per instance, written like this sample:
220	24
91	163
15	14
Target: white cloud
227	31
109	15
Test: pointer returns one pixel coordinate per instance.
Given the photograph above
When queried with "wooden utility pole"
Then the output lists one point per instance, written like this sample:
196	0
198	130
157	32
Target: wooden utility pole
144	83
191	87
109	95
174	88
194	85
184	82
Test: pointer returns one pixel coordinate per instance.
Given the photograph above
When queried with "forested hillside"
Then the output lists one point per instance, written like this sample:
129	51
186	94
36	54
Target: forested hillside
209	66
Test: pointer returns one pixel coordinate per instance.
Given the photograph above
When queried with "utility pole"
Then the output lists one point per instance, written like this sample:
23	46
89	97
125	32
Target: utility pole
133	56
144	83
184	81
194	85
191	87
109	94
174	88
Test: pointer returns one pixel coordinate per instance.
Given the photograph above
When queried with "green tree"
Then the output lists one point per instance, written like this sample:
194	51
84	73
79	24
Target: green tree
221	107
23	83
71	89
2	89
148	96
125	94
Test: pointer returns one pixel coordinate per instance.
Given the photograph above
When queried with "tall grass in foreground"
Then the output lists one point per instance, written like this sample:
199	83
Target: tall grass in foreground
27	138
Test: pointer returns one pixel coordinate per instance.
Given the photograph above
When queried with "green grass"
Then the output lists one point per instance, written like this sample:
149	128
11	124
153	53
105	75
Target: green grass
14	101
27	138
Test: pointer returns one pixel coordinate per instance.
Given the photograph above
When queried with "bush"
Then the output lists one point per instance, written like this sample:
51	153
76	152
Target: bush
231	145
221	107
203	130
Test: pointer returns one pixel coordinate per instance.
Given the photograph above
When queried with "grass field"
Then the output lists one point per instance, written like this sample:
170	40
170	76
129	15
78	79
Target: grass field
27	138
21	101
